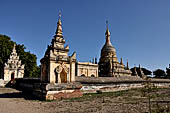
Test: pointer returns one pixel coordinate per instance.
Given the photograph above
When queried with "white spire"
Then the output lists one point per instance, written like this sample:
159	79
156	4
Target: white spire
14	48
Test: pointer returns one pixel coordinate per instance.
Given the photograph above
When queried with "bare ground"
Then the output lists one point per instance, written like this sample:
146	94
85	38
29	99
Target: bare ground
131	101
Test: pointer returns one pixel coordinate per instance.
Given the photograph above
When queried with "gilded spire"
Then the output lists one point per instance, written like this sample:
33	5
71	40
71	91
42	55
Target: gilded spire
59	15
107	29
59	31
107	34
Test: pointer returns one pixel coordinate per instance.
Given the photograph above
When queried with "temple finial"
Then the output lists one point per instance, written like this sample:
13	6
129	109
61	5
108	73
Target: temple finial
59	31
107	24
14	45
107	34
59	15
14	48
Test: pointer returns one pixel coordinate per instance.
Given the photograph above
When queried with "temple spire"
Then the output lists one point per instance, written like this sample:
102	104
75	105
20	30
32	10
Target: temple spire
121	61
107	24
141	73
59	15
107	34
127	64
14	48
59	31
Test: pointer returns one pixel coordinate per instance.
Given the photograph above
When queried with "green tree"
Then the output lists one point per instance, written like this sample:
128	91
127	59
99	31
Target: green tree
27	58
37	73
6	46
159	73
145	71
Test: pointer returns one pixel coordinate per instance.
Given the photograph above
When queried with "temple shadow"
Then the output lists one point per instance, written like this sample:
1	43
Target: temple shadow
19	92
25	95
11	95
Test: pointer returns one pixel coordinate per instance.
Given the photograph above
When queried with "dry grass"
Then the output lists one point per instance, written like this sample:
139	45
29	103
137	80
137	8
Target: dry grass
130	101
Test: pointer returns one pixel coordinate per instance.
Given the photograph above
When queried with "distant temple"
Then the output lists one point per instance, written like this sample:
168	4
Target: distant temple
108	64
13	68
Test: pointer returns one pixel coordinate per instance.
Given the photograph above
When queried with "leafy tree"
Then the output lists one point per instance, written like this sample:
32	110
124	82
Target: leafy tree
37	73
159	73
27	58
145	71
6	46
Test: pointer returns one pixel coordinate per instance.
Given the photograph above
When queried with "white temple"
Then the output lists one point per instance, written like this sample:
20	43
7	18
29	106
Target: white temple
13	68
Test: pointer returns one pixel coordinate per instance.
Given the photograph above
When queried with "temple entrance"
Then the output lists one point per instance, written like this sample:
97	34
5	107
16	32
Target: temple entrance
12	76
56	77
63	76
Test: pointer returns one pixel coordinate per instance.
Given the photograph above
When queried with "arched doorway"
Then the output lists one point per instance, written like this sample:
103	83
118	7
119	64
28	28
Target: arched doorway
83	75
12	76
92	75
56	77
63	76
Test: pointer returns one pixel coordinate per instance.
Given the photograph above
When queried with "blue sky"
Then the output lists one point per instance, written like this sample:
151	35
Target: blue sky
140	29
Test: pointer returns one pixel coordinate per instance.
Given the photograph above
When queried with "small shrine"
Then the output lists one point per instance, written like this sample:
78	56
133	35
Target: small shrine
13	67
56	65
58	70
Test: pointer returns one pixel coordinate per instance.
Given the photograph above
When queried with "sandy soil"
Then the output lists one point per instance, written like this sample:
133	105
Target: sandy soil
13	101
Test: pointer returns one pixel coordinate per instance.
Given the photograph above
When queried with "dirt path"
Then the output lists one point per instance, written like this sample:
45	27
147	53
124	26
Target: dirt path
11	101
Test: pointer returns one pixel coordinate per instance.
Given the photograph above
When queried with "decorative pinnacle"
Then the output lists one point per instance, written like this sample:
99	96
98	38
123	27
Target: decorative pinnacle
59	15
127	64
14	48
14	45
59	26
107	24
121	61
107	29
107	34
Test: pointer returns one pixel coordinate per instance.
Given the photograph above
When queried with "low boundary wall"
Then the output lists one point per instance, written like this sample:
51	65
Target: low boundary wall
87	85
110	84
